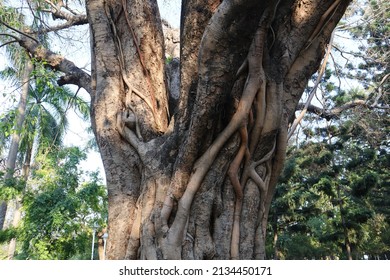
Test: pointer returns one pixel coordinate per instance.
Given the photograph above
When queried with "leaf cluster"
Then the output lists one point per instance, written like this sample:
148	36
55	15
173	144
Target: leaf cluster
60	209
334	188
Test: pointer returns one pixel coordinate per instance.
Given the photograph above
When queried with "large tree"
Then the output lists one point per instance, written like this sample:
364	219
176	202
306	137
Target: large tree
194	181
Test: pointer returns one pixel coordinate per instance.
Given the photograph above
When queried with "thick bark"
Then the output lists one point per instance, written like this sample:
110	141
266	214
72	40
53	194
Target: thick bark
197	181
122	82
200	189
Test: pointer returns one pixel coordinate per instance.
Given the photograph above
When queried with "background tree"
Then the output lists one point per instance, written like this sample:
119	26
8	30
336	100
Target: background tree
20	59
15	137
40	117
331	199
196	182
45	124
332	195
61	208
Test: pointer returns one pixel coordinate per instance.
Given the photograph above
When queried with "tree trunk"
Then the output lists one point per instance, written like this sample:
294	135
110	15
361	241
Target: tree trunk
197	181
345	229
276	236
15	223
15	138
17	214
3	212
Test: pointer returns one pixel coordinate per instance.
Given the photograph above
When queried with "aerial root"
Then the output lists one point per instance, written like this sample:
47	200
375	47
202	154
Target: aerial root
166	210
255	86
255	82
249	172
243	68
238	189
235	164
262	184
264	189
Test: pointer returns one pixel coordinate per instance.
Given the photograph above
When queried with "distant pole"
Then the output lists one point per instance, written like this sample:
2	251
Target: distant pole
95	226
105	236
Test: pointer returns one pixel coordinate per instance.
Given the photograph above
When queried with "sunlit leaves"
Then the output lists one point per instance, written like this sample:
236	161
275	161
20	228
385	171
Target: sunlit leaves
60	209
11	16
11	188
7	234
333	188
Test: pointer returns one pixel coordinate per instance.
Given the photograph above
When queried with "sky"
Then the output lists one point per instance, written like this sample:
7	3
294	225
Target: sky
170	11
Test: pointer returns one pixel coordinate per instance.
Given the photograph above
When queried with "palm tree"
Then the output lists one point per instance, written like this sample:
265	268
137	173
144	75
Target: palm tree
10	16
15	137
45	124
43	104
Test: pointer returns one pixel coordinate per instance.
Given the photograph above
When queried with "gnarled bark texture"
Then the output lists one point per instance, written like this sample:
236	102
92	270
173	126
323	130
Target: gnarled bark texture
196	180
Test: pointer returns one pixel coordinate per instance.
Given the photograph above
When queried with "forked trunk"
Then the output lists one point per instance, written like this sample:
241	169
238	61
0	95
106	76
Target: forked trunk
197	181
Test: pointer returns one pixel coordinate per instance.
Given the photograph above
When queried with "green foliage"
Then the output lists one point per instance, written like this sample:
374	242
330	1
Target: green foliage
325	185
362	185
10	188
324	158
317	179
373	32
60	209
46	119
168	60
335	187
11	16
301	245
7	234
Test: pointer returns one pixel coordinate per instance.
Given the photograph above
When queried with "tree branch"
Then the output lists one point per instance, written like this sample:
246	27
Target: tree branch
313	91
74	75
71	18
8	43
335	112
17	31
79	20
